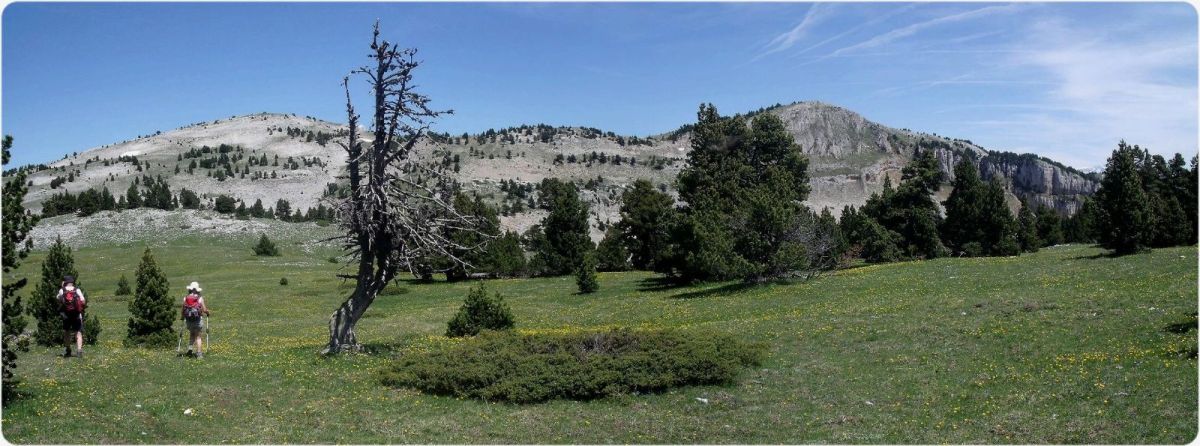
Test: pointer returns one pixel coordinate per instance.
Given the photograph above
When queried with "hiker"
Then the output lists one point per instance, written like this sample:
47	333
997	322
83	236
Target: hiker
71	304
193	309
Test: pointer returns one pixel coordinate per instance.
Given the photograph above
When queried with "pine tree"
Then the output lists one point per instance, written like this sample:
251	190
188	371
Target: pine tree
480	312
506	258
585	274
565	228
1124	214
122	287
58	264
1049	226
133	198
16	227
743	186
963	207
647	216
151	312
610	253
265	247
1027	233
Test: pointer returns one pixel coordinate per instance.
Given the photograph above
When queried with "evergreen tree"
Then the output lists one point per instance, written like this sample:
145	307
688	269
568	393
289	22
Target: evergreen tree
265	247
151	312
1049	226
506	258
480	312
471	242
283	210
58	264
565	239
585	274
133	198
964	211
1123	212
743	186
610	253
17	223
257	210
647	216
122	287
225	204
1027	233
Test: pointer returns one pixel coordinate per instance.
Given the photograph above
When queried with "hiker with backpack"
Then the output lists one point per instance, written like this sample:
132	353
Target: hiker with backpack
192	314
71	304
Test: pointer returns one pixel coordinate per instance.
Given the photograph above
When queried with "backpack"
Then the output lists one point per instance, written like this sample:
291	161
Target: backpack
72	303
191	307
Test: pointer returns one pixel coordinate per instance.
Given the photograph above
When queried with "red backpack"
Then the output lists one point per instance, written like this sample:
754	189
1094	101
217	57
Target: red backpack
72	302
191	307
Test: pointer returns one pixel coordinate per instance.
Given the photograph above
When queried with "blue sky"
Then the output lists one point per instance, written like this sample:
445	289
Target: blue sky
1064	80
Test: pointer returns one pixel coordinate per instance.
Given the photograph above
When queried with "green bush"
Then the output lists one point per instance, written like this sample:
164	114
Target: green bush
266	247
283	281
585	275
528	368
480	312
91	330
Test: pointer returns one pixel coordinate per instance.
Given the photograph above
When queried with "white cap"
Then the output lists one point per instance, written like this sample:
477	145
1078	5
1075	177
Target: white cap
194	286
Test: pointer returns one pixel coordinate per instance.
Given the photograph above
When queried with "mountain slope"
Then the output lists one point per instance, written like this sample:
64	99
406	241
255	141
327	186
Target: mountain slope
850	158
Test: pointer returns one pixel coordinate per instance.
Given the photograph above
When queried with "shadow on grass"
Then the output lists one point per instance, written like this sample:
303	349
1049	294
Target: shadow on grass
724	290
660	283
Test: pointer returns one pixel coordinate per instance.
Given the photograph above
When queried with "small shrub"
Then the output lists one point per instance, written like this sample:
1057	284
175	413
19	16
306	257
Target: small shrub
972	249
526	368
265	247
91	330
283	281
155	339
585	275
332	259
123	287
480	312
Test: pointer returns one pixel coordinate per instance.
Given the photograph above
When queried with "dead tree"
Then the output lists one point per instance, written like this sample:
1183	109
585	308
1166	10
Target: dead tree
398	210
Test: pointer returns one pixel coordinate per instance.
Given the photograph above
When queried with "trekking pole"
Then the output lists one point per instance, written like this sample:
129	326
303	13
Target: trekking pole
207	328
179	343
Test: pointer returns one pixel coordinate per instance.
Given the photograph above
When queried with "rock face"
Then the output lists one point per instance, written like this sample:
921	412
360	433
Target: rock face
850	159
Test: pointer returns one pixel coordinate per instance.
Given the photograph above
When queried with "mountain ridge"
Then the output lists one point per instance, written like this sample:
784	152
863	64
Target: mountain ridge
850	155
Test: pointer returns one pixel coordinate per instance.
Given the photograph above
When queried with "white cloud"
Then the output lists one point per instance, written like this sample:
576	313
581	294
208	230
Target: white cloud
816	13
900	33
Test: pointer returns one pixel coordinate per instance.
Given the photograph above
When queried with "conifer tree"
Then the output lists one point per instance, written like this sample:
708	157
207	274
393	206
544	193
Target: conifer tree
565	228
1123	212
59	263
265	247
506	258
1049	226
610	253
585	274
1027	233
647	216
17	223
122	287
151	312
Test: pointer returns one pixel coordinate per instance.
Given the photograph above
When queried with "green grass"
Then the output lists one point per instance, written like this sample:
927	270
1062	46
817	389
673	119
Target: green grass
1062	346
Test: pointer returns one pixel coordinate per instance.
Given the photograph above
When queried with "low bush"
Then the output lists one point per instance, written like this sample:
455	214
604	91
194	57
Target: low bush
529	368
283	281
91	330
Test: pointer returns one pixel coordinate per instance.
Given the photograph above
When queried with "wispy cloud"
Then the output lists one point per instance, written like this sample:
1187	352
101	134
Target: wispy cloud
1105	86
816	13
906	31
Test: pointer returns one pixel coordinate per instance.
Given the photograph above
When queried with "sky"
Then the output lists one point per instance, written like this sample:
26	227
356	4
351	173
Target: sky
1063	80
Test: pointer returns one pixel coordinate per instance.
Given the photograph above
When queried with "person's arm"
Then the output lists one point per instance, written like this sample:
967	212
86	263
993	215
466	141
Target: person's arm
203	306
182	308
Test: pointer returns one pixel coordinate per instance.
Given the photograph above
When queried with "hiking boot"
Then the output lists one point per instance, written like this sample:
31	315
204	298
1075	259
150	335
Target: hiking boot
67	352
79	354
200	355
189	353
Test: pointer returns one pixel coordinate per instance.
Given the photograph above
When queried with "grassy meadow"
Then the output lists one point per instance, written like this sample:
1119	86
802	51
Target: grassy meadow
1061	346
